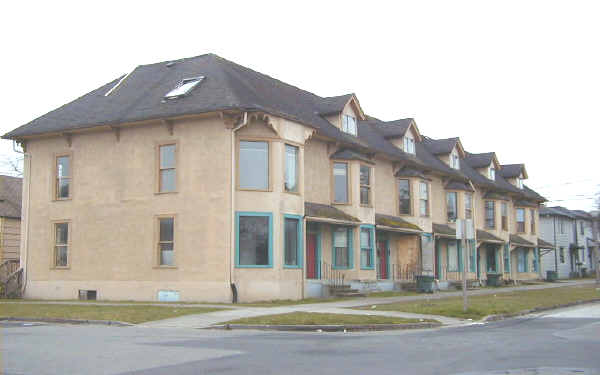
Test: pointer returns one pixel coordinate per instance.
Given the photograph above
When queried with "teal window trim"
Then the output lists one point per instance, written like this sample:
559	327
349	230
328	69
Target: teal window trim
299	245
506	258
239	214
350	237
371	229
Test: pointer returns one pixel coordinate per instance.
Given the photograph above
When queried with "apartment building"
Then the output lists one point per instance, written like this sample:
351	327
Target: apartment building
202	180
570	232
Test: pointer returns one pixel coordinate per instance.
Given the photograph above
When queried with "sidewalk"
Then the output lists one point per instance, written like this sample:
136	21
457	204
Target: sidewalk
340	307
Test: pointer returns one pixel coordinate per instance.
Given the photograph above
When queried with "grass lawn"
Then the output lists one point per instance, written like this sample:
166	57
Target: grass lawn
129	314
501	303
307	318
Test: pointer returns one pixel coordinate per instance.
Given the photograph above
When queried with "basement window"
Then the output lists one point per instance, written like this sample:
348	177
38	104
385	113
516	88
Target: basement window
184	87
86	295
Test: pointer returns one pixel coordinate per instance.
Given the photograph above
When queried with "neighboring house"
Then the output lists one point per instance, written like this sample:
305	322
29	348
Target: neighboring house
570	233
10	217
199	179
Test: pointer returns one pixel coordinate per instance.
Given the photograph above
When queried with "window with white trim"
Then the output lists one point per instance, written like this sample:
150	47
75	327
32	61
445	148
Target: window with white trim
349	124
454	160
409	143
492	173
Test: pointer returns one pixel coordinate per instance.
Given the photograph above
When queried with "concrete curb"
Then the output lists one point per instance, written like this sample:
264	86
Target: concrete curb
497	317
66	321
327	327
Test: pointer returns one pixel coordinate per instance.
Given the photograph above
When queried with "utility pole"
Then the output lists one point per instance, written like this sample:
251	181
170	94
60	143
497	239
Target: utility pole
463	232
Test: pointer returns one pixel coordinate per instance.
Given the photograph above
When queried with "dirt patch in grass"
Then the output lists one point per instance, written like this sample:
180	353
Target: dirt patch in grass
501	303
129	314
307	318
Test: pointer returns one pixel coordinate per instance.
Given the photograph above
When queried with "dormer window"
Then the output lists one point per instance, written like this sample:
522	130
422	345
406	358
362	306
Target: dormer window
519	182
492	173
184	87
454	160
349	125
409	144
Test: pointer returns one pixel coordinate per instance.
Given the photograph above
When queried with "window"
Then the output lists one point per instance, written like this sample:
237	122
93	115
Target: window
454	160
532	222
404	197
490	214
166	241
349	125
582	231
504	213
340	182
184	87
293	241
452	256
451	206
63	177
366	248
520	220
468	206
424	198
561	226
535	261
291	168
520	183
472	255
562	254
492	173
254	165
342	253
254	241
409	144
365	185
167	168
61	244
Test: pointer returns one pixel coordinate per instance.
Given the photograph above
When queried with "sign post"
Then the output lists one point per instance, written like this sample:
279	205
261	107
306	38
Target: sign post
464	232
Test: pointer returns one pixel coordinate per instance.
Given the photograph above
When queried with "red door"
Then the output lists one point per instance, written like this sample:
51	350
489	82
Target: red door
382	260
311	256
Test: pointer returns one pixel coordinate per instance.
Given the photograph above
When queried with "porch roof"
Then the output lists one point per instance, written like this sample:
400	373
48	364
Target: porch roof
326	213
444	230
544	244
520	241
484	236
395	223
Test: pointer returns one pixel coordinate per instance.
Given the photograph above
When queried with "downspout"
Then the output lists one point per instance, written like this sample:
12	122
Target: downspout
555	253
233	184
24	246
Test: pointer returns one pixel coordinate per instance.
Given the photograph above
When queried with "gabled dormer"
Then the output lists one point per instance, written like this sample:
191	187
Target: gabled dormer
485	163
449	150
403	133
343	112
515	174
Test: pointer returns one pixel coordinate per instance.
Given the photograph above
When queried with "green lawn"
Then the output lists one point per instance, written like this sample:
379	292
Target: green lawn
307	318
500	303
129	314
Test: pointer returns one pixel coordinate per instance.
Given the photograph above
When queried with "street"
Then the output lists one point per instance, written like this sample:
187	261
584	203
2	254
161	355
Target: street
558	342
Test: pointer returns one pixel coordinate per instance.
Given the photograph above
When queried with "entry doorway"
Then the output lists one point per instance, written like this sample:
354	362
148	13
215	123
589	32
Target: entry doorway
382	260
313	252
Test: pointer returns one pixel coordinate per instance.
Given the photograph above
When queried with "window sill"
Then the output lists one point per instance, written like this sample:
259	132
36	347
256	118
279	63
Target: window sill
292	192
62	199
292	267
251	266
367	268
366	205
165	192
342	203
58	268
255	190
165	267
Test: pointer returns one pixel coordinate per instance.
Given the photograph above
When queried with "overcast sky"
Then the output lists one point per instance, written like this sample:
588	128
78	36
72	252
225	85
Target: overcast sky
520	78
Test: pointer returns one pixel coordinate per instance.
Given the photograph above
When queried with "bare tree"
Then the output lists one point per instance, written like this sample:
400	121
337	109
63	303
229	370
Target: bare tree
11	164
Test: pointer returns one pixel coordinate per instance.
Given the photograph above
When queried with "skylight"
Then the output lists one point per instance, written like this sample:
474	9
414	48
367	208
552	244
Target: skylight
184	87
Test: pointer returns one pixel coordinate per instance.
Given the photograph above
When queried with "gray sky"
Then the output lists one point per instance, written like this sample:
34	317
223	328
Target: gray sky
520	78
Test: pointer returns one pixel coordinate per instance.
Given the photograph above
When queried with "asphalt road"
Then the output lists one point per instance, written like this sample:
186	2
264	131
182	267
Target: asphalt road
562	342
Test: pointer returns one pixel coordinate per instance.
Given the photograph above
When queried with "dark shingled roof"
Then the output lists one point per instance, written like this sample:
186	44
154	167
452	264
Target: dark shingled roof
444	229
479	160
458	185
333	104
10	196
498	196
327	212
487	237
582	214
523	203
544	245
393	129
520	241
410	172
440	146
556	211
395	222
511	170
350	155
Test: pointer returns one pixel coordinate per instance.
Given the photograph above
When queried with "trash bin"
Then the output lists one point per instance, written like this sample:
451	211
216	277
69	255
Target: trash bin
494	279
551	276
424	284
